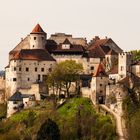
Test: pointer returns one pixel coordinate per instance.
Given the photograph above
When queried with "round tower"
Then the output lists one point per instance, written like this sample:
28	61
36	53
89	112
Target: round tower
37	38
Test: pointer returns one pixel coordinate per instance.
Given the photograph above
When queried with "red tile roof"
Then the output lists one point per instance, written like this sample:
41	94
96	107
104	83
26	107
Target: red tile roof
114	70
102	44
96	52
37	29
98	42
34	54
126	81
100	72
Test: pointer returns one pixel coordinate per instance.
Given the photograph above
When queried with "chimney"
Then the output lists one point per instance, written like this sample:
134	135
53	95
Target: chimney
96	38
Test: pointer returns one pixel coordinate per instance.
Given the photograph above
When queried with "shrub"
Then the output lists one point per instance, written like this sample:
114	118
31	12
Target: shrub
48	131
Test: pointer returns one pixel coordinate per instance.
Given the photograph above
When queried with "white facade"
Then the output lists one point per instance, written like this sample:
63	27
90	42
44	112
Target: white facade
21	74
12	107
98	88
37	41
125	61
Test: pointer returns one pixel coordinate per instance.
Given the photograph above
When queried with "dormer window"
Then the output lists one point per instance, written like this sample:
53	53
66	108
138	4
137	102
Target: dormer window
65	46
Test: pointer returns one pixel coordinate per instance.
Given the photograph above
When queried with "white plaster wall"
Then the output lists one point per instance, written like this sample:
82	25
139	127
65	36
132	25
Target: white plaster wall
10	107
39	42
26	78
125	62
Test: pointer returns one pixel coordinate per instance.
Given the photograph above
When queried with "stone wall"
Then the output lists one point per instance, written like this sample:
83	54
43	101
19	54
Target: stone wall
18	77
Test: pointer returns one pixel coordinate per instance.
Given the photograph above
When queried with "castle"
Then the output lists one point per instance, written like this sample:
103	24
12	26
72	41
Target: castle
36	55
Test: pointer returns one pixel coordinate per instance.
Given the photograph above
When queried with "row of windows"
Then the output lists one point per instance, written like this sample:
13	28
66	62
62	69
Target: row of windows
36	69
35	63
15	79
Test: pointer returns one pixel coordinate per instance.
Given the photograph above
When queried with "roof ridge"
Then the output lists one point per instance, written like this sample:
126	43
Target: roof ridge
37	29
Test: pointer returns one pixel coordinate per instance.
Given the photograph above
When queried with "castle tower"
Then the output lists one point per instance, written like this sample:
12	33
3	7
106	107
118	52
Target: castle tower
37	38
124	62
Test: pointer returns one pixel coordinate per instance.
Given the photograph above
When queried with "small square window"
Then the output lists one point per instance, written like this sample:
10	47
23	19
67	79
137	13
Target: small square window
19	69
122	68
100	85
14	79
36	69
28	79
42	38
92	68
15	102
42	69
50	69
27	69
34	38
14	68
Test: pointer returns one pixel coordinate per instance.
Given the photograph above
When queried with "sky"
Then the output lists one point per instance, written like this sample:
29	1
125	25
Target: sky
117	19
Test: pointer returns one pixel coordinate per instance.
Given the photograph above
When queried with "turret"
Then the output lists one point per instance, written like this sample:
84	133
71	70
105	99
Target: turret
37	38
125	61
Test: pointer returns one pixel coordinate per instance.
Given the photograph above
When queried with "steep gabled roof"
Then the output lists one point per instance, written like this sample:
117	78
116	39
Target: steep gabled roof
96	52
100	72
66	41
37	29
133	78
17	96
98	42
105	44
32	54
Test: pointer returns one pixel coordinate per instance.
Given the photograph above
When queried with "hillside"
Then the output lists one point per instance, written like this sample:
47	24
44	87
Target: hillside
76	119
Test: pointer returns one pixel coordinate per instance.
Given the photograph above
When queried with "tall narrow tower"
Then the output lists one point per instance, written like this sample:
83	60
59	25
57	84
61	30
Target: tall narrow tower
125	60
37	38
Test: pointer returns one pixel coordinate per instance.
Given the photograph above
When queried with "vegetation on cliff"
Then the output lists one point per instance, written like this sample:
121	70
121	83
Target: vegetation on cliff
76	119
136	54
132	118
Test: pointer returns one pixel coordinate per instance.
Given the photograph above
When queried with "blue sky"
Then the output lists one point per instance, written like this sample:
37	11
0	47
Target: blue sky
118	19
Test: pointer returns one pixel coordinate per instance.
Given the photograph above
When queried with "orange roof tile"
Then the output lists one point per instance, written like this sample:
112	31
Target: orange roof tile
100	72
35	54
114	70
37	29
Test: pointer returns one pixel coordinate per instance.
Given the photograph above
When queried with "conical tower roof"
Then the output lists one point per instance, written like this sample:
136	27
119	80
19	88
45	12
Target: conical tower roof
37	30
